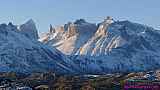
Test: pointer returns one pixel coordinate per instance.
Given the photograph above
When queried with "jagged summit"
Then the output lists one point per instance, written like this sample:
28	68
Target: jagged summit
29	29
94	39
77	33
110	46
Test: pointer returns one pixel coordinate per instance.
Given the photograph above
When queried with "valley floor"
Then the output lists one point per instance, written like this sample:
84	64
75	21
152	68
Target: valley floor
51	81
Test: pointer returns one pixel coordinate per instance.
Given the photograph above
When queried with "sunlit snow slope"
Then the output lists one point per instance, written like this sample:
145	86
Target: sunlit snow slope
110	46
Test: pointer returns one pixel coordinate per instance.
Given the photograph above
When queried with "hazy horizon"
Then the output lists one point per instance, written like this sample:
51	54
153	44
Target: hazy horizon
55	12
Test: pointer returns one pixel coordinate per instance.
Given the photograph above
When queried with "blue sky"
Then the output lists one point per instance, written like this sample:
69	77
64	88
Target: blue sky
57	12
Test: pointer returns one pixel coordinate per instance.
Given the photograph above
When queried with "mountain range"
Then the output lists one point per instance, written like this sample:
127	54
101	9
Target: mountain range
80	47
107	47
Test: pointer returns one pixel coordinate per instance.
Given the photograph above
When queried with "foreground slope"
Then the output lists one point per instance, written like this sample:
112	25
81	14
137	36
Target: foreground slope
19	53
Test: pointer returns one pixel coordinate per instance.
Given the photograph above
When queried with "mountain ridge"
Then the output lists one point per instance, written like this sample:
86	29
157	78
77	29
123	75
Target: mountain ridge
111	46
22	53
80	48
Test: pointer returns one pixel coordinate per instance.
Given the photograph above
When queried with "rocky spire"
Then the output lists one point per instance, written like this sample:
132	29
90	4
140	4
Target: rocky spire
71	30
29	29
51	29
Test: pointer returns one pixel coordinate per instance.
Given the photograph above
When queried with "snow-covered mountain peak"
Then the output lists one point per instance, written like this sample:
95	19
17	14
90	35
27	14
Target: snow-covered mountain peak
88	39
18	53
111	46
